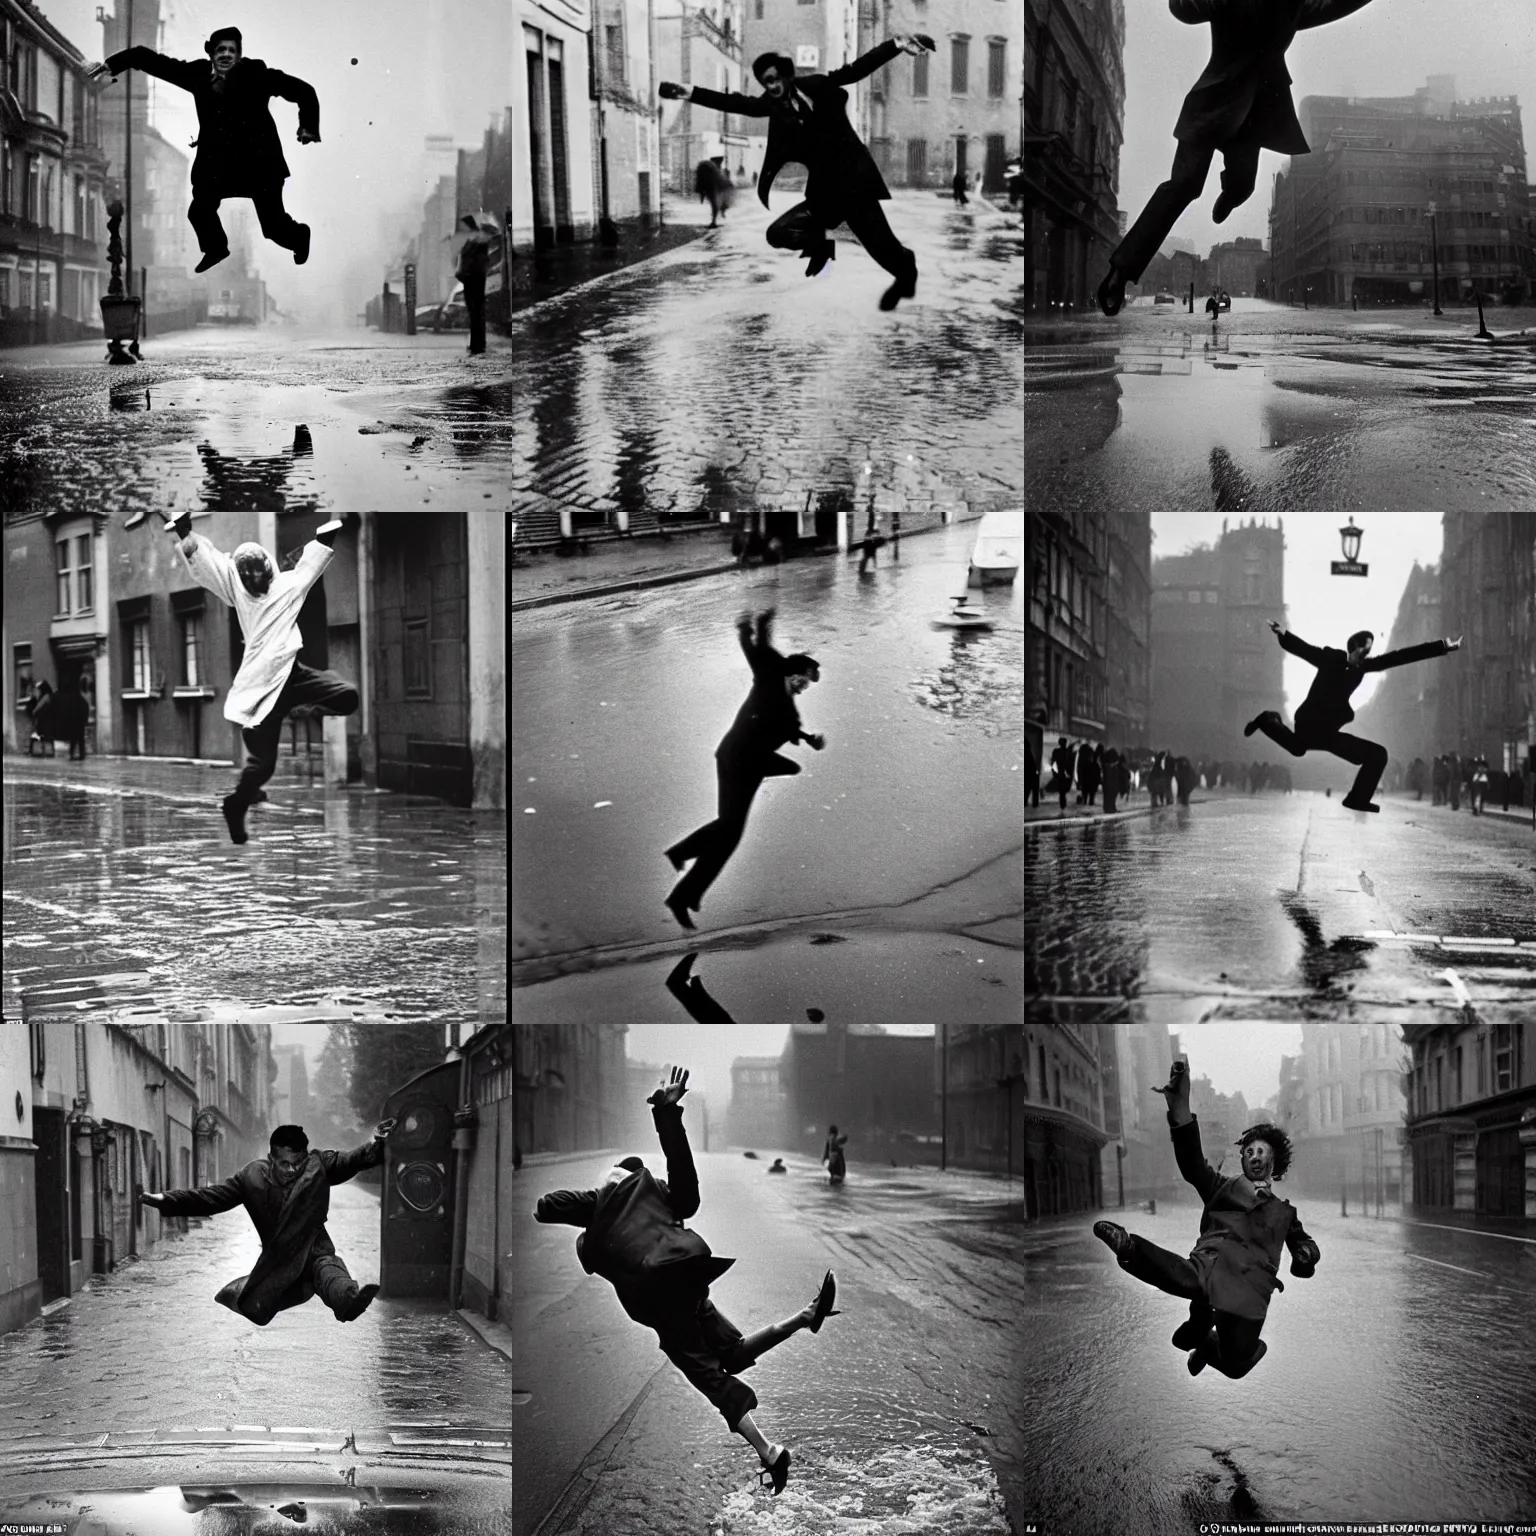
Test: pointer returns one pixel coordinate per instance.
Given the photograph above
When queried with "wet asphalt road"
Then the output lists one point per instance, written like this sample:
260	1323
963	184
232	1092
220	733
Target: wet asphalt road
256	419
1282	907
124	893
902	1415
894	854
1397	1385
1281	410
720	377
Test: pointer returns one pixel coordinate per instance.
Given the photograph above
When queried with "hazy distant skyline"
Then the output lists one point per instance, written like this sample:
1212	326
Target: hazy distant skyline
1321	608
1245	1061
1388	49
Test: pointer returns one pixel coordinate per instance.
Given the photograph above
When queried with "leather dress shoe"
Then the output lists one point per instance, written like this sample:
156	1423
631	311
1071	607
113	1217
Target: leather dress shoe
1112	291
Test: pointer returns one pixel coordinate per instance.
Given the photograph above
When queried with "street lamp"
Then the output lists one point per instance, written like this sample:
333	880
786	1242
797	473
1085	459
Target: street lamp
1350	538
1434	251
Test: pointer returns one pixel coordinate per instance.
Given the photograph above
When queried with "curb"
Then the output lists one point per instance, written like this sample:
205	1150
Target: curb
670	577
1088	821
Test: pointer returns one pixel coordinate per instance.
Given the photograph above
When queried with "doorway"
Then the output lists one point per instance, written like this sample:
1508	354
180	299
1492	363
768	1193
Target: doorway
52	1193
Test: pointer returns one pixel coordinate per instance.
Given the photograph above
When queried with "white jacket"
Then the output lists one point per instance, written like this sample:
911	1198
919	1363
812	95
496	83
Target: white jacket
270	624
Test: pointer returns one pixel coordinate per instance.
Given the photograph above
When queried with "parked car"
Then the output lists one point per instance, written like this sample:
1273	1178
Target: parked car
999	549
450	315
1165	298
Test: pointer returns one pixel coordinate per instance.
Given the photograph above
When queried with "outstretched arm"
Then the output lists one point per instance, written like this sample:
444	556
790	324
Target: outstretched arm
341	1166
210	567
182	72
720	101
302	94
1299	647
1410	653
877	57
207	1201
1318	13
667	1113
570	1207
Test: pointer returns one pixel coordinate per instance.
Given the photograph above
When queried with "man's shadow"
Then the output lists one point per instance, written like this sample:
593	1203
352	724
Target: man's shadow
256	485
698	1000
1324	965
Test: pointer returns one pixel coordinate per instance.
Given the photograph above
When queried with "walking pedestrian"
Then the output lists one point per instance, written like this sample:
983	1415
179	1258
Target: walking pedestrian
1416	778
1111	770
957	188
1477	787
474	266
633	1236
271	680
1184	778
748	753
1031	777
1061	770
287	1195
706	184
238	151
808	122
832	1156
1088	774
1441	781
1125	778
1454	777
1326	706
1240	105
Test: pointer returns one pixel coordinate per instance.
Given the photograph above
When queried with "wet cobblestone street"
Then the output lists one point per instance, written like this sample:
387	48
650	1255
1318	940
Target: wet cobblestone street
124	893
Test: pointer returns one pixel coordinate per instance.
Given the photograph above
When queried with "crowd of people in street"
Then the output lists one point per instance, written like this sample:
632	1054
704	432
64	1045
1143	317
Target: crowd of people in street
1452	776
1087	768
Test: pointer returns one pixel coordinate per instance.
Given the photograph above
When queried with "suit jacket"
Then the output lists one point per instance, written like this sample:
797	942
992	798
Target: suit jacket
1241	1234
237	146
1326	706
634	1235
768	718
289	1219
1246	85
840	169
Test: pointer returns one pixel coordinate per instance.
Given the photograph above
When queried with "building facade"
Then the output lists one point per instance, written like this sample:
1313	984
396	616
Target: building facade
1471	1119
1403	714
1062	1110
53	171
956	110
626	170
1488	596
1212	669
1235	265
982	1081
1137	1160
700	42
1398	188
1128	629
553	191
1074	125
569	1087
755	1117
108	1110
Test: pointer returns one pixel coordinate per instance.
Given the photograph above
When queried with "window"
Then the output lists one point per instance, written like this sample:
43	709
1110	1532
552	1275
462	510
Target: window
960	67
83	573
1058	1087
757	10
920	75
1503	1058
1193	597
21	669
917	161
418	673
65	586
997	51
191	646
138	654
1212	597
1456	1079
615	60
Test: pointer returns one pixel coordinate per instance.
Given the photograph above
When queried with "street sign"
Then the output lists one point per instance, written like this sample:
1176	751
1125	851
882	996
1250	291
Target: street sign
1350	568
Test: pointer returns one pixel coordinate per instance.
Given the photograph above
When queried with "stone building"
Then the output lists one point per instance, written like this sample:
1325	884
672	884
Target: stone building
1215	663
1471	1119
1074	116
1137	1160
1062	1109
570	1087
981	1078
755	1117
554	192
1235	266
53	168
626	166
1488	596
1403	714
700	42
953	110
1128	612
1351	221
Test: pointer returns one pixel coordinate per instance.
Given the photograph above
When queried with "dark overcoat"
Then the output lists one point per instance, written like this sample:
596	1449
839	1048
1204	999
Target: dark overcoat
839	168
1241	1234
1326	707
633	1233
1246	85
238	153
767	719
289	1219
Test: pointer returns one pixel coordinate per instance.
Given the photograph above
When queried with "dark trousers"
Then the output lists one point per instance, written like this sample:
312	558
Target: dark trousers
1370	758
1032	783
332	1280
323	691
703	1343
474	303
711	845
1240	169
276	223
1236	1337
804	227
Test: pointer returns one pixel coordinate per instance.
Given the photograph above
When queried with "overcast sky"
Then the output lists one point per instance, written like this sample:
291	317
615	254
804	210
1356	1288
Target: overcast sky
1245	1061
707	1050
1321	608
1388	49
423	67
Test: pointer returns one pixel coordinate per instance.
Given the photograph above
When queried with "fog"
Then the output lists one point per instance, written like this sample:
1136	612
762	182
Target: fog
388	74
1245	1061
707	1050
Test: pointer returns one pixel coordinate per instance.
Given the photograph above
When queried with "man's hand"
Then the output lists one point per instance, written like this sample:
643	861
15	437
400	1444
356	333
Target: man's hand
1177	1091
306	137
154	1202
816	742
96	71
1453	645
670	90
1274	625
914	43
382	1129
670	1091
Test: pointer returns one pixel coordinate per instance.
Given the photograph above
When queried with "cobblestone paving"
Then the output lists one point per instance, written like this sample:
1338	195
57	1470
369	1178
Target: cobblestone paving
721	377
123	891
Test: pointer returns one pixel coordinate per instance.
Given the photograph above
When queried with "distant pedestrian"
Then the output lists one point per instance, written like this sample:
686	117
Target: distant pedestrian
832	1155
957	189
1416	778
1184	778
1061	770
1440	781
41	706
70	714
1088	774
1125	778
1111	770
1454	771
976	186
1031	778
706	184
1477	788
725	188
473	268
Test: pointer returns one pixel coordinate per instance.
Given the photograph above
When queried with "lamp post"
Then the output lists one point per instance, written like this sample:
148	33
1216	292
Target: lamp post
1434	251
1349	538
